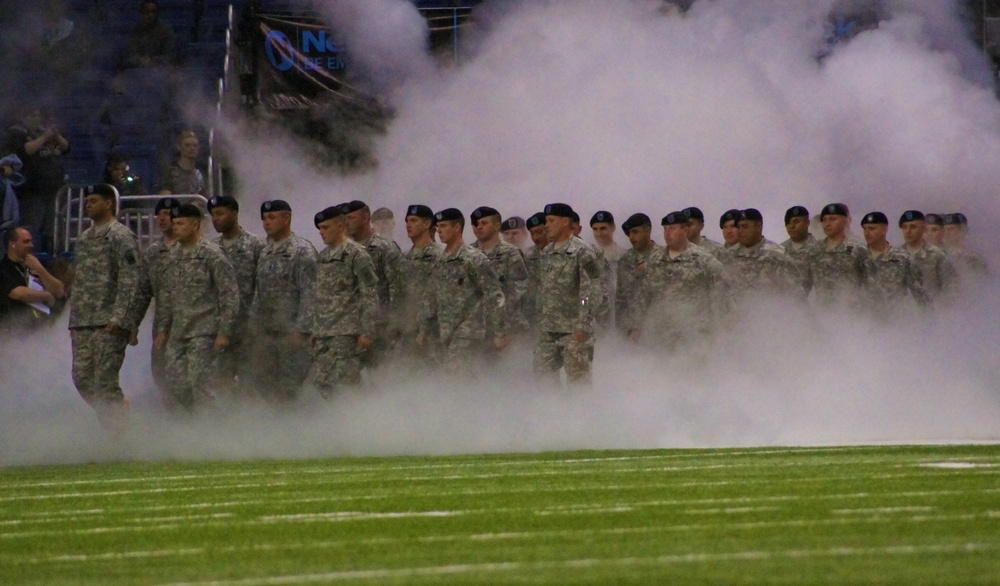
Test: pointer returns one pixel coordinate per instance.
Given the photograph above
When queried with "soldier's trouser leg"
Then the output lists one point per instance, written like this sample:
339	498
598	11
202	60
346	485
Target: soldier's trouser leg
97	363
158	366
463	357
336	364
281	367
577	359
191	364
548	357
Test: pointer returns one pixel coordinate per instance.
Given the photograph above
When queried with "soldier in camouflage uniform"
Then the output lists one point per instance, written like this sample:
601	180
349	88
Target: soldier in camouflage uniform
344	305
939	277
604	293
570	281
385	255
697	218
285	274
683	295
103	307
243	251
514	231
414	286
632	269
602	226
800	242
759	266
836	264
967	262
151	287
199	305
507	262
934	233
465	292
889	275
730	237
532	261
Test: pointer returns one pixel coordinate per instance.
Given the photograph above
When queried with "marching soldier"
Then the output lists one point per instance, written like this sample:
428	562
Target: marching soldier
889	274
837	264
532	261
966	261
730	237
757	265
152	285
507	262
415	266
697	219
938	274
632	269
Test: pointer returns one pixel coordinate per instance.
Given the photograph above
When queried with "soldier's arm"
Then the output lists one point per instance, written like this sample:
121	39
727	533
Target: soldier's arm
915	283
228	289
364	273
592	292
143	291
948	277
488	283
305	275
391	270
517	272
165	300
128	308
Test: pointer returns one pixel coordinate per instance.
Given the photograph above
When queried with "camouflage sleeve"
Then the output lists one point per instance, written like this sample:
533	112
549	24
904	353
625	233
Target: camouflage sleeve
143	293
391	272
305	275
948	277
915	283
428	309
165	300
517	272
125	312
364	272
493	299
720	293
224	276
592	292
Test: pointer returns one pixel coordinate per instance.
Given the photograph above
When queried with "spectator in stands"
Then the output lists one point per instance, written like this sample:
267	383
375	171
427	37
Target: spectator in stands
40	146
152	40
27	290
184	177
116	173
10	211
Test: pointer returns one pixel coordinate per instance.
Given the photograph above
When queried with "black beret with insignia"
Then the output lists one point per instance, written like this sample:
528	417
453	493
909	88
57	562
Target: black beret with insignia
636	221
835	209
875	218
694	213
166	203
450	215
796	212
911	216
751	214
420	211
730	216
355	205
956	219
934	219
536	220
328	214
560	210
512	223
482	212
186	210
602	217
102	189
225	201
274	205
676	219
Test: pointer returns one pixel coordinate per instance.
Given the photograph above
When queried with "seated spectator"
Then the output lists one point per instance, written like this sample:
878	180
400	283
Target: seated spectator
116	173
152	41
27	290
40	146
184	177
10	211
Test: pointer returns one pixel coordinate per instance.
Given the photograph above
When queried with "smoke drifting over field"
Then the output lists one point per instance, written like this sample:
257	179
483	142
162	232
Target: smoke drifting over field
618	106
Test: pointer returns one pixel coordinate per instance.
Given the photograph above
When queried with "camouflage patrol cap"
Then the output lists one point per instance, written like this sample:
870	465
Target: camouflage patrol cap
355	205
166	203
450	215
536	220
934	219
874	218
911	216
482	212
694	213
102	189
223	201
328	214
751	214
186	210
636	221
512	223
560	210
602	217
835	209
274	205
956	219
796	212
730	216
420	211
675	219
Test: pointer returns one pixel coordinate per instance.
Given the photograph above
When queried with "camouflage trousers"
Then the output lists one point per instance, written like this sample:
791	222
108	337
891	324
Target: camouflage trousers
280	366
336	364
235	367
463	357
191	363
410	356
97	362
158	366
555	350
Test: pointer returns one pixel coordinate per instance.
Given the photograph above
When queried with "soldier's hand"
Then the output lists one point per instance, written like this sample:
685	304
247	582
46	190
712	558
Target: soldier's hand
580	336
365	342
112	328
501	342
160	341
312	340
133	338
295	339
633	336
221	342
421	338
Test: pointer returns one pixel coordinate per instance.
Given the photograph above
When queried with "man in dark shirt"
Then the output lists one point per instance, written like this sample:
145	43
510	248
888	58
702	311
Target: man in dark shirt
25	286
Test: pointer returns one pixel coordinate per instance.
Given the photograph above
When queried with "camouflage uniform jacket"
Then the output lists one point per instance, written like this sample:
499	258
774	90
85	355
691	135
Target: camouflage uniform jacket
464	292
529	303
889	277
724	253
763	267
151	283
345	300
285	274
385	255
108	275
199	294
838	273
800	252
937	272
507	262
966	262
415	267
686	293
709	245
570	287
243	253
632	268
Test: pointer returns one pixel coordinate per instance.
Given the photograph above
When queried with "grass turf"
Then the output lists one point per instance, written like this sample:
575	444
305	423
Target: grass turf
879	515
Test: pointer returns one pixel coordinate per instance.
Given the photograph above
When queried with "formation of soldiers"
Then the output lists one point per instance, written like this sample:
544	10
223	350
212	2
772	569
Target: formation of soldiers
252	316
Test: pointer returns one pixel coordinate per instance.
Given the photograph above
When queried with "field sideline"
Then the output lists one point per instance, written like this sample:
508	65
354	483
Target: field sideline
888	515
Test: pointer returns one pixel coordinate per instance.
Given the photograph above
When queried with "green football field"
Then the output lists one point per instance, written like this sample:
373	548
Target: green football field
877	515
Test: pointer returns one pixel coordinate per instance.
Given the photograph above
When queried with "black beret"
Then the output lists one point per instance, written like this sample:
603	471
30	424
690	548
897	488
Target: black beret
186	210
934	219
729	216
513	223
675	219
420	211
636	221
956	219
353	206
911	216
482	212
560	210
102	189
536	220
274	205
751	214
834	209
225	201
450	215
694	213
328	214
602	217
166	203
875	218
796	212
